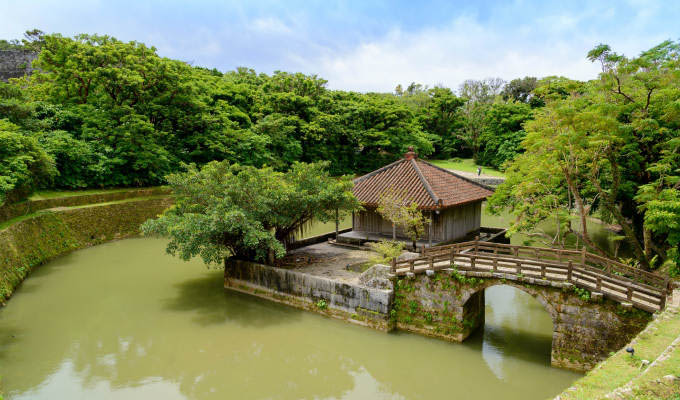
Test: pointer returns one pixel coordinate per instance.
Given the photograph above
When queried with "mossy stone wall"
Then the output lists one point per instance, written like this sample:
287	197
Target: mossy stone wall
33	241
10	211
450	305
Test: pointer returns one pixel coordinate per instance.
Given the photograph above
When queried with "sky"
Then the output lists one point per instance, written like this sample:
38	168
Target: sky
367	45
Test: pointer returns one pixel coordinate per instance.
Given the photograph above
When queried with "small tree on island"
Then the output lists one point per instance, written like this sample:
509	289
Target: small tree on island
413	221
223	210
394	207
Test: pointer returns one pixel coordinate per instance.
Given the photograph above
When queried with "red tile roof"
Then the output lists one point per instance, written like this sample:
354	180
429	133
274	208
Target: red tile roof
431	187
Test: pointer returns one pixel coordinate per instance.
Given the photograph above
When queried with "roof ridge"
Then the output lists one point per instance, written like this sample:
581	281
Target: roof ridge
425	183
379	170
465	178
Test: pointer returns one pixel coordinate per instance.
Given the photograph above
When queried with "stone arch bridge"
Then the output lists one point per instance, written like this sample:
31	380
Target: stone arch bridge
597	305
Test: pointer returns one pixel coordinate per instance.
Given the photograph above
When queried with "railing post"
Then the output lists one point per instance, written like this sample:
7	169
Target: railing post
542	270
570	267
629	294
394	265
598	285
583	256
662	300
495	264
432	262
412	266
472	262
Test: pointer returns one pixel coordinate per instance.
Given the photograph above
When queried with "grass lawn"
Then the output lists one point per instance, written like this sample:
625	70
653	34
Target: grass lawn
465	164
52	194
647	383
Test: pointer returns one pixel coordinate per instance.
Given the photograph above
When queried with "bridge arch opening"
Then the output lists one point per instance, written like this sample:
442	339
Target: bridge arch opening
513	322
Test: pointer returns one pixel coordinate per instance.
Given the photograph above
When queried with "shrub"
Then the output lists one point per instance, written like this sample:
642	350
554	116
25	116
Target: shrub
387	251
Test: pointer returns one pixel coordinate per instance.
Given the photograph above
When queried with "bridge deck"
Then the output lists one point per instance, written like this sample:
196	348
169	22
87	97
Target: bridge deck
613	280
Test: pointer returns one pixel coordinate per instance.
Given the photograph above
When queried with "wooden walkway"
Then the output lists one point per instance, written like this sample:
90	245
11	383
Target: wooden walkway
544	266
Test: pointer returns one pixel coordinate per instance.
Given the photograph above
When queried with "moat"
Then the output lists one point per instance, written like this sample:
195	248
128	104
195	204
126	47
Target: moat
124	320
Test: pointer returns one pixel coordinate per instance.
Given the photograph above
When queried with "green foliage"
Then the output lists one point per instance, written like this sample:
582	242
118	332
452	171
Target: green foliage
392	206
387	251
23	164
503	133
225	209
322	304
609	145
584	294
472	281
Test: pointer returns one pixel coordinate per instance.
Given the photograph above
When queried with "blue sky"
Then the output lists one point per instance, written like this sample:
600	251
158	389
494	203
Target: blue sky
367	45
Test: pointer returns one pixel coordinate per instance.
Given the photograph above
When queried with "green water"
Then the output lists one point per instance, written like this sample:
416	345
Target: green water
125	321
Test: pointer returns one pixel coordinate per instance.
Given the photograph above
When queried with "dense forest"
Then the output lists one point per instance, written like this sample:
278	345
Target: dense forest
99	112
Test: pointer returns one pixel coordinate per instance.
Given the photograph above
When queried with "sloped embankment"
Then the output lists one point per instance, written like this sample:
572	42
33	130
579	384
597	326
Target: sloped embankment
652	372
39	237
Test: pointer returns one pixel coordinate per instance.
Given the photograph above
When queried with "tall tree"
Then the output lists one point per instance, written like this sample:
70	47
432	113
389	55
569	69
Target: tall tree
612	144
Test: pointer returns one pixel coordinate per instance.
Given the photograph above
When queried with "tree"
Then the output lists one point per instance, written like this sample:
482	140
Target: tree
223	210
394	207
612	145
23	164
522	90
390	207
502	133
413	221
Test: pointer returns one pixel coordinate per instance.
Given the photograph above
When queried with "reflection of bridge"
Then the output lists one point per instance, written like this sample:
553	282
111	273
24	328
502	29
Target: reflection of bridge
592	300
544	266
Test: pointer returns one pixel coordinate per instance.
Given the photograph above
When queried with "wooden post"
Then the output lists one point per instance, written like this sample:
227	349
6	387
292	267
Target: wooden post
394	265
432	262
598	285
583	256
429	230
412	266
662	300
472	262
570	267
629	295
495	264
542	270
337	223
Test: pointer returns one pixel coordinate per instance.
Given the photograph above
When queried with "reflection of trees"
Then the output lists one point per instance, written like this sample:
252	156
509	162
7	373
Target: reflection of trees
130	322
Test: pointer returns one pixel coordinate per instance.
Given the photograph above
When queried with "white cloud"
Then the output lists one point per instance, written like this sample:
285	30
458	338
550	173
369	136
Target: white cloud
462	50
269	25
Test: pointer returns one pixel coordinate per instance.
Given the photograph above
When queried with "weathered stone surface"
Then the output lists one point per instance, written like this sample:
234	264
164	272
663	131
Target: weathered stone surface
451	306
407	255
378	277
15	63
361	304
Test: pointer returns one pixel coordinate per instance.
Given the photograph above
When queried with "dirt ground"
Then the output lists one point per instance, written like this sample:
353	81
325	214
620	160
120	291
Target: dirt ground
324	259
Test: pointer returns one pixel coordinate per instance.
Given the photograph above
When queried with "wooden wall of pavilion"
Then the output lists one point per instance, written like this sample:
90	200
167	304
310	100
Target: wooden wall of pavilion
452	223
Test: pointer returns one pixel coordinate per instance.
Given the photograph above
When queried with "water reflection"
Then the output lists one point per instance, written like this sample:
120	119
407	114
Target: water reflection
122	320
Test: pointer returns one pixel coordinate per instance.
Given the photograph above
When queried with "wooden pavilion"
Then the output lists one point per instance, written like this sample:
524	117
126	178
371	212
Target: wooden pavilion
452	202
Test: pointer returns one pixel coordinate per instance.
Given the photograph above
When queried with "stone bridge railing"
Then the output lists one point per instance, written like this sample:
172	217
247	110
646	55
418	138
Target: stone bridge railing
544	266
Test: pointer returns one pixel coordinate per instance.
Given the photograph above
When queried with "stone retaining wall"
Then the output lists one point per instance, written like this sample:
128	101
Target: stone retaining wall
16	63
354	303
10	211
26	244
450	305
